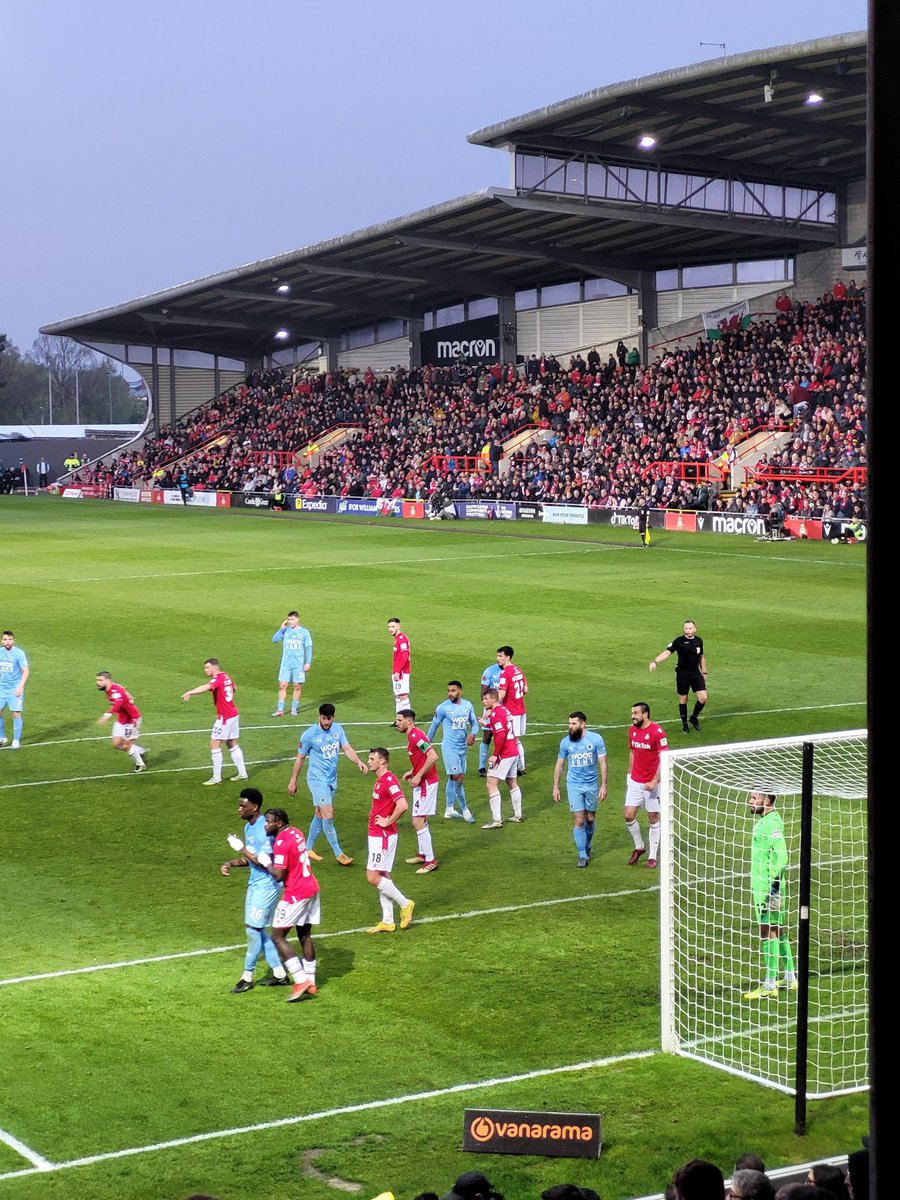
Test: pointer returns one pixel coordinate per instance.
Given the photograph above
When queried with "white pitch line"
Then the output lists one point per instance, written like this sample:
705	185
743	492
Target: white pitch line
344	1110
411	560
37	1160
459	916
548	728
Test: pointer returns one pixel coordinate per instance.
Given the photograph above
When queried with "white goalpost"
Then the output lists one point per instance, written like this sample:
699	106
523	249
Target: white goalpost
814	1039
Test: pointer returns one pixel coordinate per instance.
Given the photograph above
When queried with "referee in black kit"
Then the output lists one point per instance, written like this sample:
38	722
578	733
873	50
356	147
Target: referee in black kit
690	673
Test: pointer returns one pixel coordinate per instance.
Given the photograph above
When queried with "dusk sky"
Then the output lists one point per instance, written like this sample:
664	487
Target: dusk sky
147	145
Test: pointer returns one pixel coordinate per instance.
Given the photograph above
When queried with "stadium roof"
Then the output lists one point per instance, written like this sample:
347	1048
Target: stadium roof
711	118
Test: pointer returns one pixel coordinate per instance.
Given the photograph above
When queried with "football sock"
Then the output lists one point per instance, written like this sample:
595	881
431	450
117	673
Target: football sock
682	712
273	958
237	757
216	756
461	796
482	756
515	796
309	967
315	828
654	840
589	828
279	707
521	756
135	753
387	910
635	830
295	709
388	888
294	969
423	836
254	949
331	835
786	958
494	801
2	728
17	729
580	836
770	954
451	793
698	708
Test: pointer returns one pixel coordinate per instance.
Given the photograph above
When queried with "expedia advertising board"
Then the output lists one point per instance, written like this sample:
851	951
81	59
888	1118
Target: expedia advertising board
475	341
552	1134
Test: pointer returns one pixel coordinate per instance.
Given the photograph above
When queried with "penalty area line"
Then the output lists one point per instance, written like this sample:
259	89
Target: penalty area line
344	1110
441	917
38	1162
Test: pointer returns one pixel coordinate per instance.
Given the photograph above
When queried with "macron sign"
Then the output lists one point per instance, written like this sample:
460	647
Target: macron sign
469	341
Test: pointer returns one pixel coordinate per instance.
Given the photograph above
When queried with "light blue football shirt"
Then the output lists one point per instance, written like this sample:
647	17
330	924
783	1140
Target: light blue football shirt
12	663
582	759
297	646
322	747
457	722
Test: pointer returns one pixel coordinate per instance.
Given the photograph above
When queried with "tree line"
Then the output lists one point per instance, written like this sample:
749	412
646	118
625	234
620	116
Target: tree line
61	382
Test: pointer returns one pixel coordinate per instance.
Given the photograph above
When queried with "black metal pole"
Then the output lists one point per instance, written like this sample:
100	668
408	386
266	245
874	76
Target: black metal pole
803	898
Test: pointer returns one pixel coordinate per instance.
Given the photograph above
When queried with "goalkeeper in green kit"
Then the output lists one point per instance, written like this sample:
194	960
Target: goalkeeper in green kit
768	862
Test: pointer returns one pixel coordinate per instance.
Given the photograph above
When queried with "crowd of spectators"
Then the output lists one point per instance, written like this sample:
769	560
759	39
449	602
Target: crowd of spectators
610	430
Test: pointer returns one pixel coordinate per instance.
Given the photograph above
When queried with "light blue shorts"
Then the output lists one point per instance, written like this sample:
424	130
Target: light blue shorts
582	799
288	674
322	793
259	905
454	761
9	699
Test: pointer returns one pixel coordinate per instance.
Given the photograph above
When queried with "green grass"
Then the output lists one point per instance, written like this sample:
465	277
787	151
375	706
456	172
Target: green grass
100	866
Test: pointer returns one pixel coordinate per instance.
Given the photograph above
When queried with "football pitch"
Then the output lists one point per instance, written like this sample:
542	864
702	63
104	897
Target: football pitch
128	1067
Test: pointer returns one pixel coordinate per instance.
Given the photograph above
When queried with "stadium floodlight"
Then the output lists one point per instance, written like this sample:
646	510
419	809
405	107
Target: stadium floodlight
282	334
814	98
811	1042
647	141
284	288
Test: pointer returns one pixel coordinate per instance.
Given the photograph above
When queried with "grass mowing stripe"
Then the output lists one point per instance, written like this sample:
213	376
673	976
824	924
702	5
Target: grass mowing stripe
366	1106
460	916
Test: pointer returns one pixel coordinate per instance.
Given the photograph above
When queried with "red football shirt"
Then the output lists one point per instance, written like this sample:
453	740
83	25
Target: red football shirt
401	654
512	678
506	744
647	745
121	705
385	794
289	854
418	745
223	696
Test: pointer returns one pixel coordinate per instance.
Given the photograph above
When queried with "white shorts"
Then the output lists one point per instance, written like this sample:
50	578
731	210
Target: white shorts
401	685
381	852
228	730
425	799
518	723
637	796
297	912
506	768
126	731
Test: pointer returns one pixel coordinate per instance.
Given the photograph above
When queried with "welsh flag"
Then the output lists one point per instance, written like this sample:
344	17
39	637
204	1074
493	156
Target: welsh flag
724	320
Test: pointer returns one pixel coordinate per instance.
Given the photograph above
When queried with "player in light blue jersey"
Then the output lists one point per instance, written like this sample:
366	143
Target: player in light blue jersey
585	753
262	894
296	660
14	672
460	725
321	744
490	679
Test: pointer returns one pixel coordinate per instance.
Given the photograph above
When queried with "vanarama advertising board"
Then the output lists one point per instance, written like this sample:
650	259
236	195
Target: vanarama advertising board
553	1134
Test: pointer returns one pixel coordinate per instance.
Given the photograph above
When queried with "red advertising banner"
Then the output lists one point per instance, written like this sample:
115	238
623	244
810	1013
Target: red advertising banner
223	499
414	509
681	521
804	527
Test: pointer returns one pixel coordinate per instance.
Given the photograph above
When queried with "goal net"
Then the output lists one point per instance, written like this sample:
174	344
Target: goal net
711	950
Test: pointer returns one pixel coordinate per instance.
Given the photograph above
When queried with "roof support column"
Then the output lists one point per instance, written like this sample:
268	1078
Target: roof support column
415	327
331	348
648	310
509	332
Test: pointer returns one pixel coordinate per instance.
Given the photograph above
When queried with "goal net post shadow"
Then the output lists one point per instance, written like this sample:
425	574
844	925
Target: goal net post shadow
811	1042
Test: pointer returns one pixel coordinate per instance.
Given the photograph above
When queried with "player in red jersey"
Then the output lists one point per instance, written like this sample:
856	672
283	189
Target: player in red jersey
388	803
227	727
513	688
646	742
400	666
299	906
423	779
127	722
504	762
